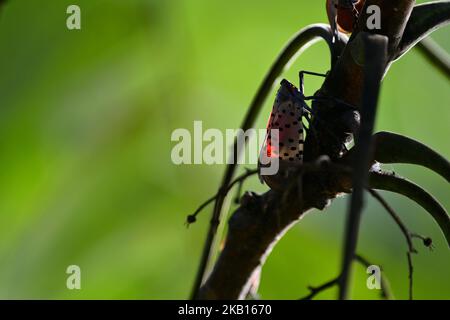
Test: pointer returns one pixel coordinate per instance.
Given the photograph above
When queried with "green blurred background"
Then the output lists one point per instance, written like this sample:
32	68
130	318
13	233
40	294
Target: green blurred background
85	124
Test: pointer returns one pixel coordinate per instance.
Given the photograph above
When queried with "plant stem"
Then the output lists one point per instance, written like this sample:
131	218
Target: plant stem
300	41
375	52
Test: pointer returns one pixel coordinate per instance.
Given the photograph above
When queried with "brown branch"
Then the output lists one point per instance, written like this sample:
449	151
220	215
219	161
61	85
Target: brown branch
257	225
345	81
261	220
253	230
301	39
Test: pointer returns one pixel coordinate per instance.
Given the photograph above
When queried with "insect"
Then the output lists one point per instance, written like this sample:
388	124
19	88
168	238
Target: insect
346	11
285	131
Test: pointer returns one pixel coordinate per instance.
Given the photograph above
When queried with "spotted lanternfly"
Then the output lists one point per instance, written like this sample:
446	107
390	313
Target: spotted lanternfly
285	132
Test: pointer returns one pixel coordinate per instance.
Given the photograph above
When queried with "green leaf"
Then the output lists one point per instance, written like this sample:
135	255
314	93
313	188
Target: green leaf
425	18
393	183
395	148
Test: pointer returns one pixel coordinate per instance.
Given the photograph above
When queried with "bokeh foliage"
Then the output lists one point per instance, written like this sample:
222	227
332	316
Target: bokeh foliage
85	124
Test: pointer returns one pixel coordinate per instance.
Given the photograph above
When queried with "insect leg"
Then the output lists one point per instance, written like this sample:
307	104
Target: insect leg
302	78
311	127
307	108
339	101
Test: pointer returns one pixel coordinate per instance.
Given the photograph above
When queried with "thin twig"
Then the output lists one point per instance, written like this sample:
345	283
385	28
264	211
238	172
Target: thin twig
303	38
410	274
396	218
406	233
427	241
238	195
316	290
193	217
